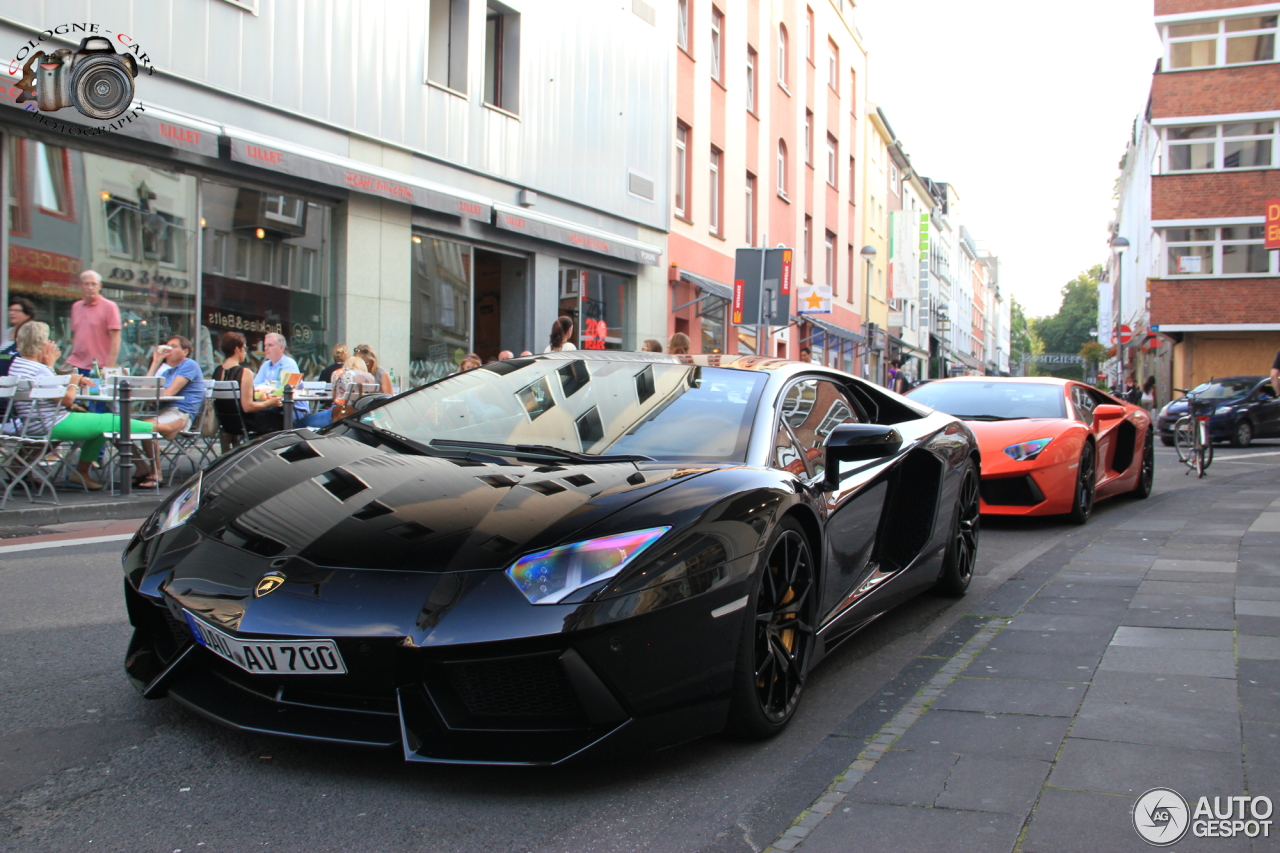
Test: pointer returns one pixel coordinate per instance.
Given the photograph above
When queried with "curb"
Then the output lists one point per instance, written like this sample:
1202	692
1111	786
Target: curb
38	515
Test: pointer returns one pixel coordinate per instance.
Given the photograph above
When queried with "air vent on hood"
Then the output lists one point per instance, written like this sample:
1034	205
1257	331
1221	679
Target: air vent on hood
579	480
544	487
341	483
499	545
372	509
411	530
299	452
498	481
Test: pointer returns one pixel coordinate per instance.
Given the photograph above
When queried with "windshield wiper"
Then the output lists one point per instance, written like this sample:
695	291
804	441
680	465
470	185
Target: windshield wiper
408	443
541	451
992	418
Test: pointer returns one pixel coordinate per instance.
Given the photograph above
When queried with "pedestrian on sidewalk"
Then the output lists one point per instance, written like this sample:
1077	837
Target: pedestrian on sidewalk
561	331
679	344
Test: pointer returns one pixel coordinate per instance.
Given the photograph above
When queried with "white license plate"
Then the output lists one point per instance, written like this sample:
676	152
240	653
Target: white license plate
270	657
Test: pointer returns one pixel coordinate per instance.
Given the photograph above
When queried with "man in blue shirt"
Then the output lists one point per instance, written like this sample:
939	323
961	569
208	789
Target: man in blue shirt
277	363
183	378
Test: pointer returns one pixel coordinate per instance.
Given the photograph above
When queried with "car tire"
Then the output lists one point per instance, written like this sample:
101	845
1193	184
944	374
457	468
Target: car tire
1086	485
777	636
1166	440
1147	477
962	542
1242	435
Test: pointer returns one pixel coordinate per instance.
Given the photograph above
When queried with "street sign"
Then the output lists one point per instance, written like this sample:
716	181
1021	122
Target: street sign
1126	334
1273	224
762	287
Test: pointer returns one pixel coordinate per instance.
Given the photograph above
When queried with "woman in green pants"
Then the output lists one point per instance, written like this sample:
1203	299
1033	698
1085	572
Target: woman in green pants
36	357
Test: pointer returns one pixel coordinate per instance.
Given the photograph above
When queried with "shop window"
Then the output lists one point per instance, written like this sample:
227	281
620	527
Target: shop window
53	181
502	57
447	43
596	301
266	258
164	239
19	201
121	225
310	257
713	326
288	265
440	320
216	258
242	257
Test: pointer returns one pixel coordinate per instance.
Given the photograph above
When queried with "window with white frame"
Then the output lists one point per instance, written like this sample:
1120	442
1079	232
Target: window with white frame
1235	145
808	248
830	267
751	210
713	191
832	154
682	24
808	137
751	79
1230	41
682	170
808	34
833	66
1216	251
782	168
782	55
717	36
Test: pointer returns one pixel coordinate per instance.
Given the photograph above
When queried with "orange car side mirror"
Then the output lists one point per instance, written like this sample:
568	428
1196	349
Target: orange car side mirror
1107	412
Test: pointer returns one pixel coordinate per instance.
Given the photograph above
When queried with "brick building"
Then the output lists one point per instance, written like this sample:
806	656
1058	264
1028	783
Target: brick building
1201	164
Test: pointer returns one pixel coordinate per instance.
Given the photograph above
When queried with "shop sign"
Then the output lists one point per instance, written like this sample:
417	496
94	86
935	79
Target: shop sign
545	228
147	278
594	334
1273	224
343	173
37	265
235	322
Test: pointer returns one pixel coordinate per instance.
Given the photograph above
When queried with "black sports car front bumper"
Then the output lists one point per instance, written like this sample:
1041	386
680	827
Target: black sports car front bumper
480	693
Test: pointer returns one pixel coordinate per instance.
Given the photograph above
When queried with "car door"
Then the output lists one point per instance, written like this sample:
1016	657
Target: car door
811	408
1264	410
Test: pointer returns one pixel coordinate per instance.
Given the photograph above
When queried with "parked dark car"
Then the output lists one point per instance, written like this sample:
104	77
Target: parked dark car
1245	408
550	556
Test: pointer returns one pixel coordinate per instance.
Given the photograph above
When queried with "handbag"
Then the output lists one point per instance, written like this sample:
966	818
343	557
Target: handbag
209	426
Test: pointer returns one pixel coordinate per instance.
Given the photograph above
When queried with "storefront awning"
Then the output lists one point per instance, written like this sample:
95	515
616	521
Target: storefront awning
316	165
830	329
572	234
909	349
708	285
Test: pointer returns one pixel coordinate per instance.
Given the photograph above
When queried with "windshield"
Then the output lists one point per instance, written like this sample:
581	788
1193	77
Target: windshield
993	400
1223	388
599	408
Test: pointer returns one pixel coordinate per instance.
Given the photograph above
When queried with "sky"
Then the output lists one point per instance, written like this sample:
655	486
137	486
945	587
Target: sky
1025	107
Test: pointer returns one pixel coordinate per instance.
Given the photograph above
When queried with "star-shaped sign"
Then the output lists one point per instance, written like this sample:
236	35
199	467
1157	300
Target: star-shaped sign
813	300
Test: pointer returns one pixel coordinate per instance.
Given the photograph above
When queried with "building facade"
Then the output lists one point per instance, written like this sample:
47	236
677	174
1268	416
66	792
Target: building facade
432	179
766	150
1197	278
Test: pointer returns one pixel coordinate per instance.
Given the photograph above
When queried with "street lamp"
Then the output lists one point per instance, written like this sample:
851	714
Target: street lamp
869	255
1118	245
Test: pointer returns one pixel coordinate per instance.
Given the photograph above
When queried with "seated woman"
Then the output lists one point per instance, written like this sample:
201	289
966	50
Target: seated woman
381	376
354	373
36	357
236	417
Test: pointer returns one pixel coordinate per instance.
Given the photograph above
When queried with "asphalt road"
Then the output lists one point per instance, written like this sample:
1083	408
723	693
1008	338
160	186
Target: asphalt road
87	764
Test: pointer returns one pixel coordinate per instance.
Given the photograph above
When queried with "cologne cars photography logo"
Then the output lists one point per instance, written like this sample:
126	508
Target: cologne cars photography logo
97	78
1160	816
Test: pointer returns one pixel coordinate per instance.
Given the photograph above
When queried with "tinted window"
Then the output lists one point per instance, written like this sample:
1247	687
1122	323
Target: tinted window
666	411
992	399
1223	388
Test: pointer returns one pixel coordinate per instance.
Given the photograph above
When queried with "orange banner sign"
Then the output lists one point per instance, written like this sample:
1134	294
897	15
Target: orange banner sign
1273	223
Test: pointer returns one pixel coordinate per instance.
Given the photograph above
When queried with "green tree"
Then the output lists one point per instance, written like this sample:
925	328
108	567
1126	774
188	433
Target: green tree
1019	337
1068	330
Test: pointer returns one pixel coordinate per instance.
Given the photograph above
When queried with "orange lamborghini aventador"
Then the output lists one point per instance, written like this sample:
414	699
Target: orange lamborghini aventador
1049	446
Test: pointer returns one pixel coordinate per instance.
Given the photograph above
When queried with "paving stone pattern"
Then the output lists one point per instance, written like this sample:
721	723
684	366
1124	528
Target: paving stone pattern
1150	657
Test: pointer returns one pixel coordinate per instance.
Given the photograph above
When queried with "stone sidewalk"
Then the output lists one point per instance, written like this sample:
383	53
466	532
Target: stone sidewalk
1146	657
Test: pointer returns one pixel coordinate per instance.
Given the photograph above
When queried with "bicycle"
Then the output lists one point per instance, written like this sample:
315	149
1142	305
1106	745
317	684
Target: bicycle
1191	434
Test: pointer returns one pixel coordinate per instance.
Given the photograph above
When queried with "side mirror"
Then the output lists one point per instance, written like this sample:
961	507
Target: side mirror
858	442
1108	412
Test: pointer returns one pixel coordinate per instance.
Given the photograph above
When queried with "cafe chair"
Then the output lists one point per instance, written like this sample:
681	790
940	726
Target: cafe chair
30	458
144	402
181	444
231	418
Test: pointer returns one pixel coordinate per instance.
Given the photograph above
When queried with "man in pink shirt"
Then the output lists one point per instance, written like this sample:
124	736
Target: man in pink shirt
95	327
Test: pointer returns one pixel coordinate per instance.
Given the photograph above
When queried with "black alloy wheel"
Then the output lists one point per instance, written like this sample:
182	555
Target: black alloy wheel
962	546
1086	485
777	638
1147	477
1243	434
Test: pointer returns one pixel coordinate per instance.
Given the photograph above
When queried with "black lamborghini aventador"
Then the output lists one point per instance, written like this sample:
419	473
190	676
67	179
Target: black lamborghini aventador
552	556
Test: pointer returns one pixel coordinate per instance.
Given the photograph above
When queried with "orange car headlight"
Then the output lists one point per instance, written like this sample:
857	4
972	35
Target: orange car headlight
1025	451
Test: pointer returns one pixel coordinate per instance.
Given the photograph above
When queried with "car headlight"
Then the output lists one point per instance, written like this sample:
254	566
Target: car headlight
176	511
552	575
1025	451
1225	410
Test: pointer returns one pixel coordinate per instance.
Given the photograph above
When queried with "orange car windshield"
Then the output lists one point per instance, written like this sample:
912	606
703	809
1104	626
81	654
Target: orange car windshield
990	401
